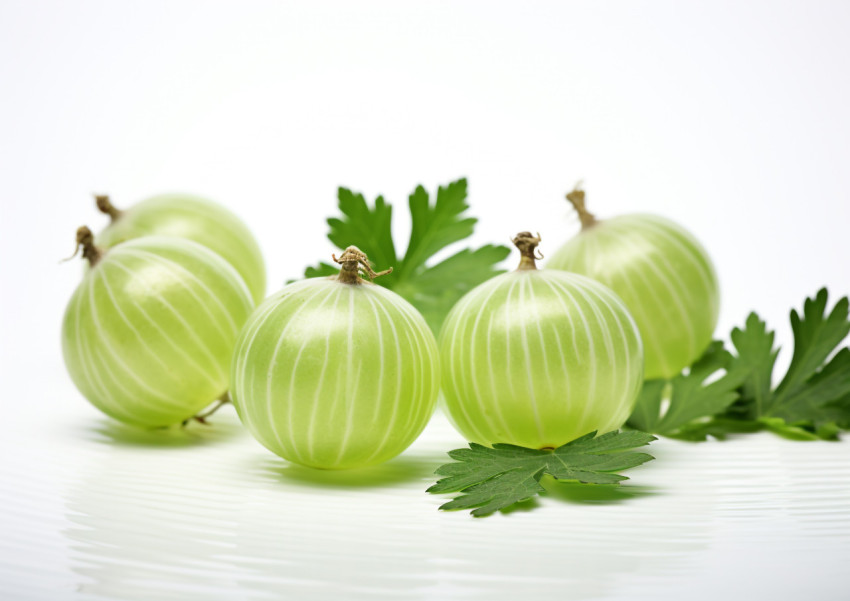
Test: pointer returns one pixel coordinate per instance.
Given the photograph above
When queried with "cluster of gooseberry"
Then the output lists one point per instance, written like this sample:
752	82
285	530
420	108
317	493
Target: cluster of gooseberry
338	372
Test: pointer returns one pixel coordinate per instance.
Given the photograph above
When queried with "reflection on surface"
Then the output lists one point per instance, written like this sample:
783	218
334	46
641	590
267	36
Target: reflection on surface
109	431
575	492
229	520
149	512
406	468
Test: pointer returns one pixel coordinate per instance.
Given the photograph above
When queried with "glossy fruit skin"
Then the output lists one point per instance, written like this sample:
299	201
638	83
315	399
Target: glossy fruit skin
197	219
149	332
538	358
664	276
335	376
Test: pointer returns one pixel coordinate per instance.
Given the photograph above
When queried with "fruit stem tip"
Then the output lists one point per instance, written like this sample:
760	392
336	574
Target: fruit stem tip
104	205
353	262
527	243
576	197
85	241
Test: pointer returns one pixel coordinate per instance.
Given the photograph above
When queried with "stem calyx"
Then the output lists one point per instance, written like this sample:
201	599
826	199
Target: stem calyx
85	241
576	197
104	205
354	263
527	243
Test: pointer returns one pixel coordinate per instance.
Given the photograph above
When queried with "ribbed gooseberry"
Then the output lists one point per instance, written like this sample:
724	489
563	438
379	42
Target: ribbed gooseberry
149	332
194	218
336	372
537	358
661	272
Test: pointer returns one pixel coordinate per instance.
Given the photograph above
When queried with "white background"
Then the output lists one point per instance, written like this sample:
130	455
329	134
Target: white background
731	118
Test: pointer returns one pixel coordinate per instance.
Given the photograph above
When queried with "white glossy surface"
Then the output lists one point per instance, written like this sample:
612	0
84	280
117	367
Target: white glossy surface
97	511
728	117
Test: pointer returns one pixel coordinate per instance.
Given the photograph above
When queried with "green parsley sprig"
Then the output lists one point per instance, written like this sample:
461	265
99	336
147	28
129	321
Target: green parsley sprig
689	395
811	401
492	479
433	288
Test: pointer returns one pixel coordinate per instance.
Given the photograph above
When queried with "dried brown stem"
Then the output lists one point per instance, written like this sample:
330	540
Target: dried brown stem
527	243
85	241
104	205
201	418
576	197
354	262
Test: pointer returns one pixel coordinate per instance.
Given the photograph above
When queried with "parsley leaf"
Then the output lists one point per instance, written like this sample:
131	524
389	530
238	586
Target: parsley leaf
691	400
811	402
433	289
491	479
755	354
813	398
